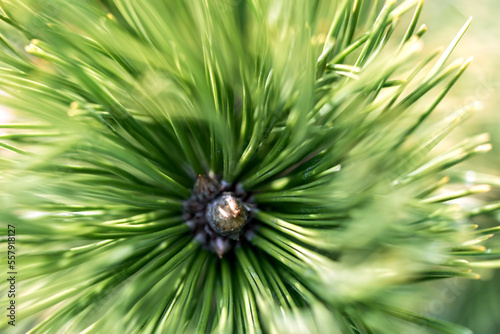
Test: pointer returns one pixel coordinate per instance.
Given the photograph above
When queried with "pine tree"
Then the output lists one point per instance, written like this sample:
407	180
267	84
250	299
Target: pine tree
231	166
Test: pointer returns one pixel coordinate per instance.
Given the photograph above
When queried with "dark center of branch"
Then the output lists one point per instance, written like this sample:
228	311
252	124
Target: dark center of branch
218	214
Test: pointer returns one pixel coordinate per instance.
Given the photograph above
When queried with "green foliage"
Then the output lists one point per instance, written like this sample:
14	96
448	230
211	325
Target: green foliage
307	105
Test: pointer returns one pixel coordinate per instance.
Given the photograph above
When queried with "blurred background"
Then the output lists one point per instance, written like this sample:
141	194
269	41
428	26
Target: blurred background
475	304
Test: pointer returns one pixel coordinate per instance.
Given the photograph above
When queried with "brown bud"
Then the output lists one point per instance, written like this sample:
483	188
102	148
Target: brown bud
206	187
227	215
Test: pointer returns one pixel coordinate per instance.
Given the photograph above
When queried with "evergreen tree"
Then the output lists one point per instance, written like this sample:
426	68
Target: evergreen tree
231	166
